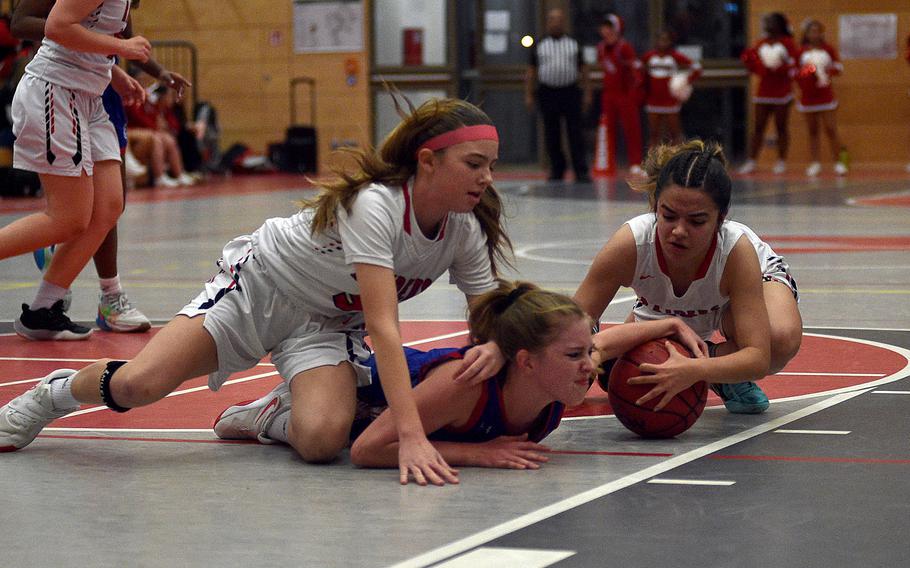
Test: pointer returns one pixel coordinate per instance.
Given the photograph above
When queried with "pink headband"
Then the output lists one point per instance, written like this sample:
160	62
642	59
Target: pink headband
459	135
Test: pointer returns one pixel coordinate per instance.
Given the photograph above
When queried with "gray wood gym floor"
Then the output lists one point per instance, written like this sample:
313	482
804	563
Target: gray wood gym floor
821	479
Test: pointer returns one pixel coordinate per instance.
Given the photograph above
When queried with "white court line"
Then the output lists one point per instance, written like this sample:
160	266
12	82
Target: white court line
494	557
890	392
831	374
178	393
664	481
135	430
899	374
856	328
526	252
485	536
52	359
822	432
437	338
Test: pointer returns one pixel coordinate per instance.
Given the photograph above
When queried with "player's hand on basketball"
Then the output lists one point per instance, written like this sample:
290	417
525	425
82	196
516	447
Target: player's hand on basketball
175	81
420	461
690	340
512	452
668	378
136	48
480	363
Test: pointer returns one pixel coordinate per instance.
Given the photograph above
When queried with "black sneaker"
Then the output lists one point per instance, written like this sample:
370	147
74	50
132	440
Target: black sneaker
49	324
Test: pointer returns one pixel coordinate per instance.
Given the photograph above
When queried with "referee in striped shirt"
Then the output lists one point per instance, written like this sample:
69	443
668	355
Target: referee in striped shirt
555	69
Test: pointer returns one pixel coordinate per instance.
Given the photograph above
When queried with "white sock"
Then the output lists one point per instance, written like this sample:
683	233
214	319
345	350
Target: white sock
48	294
110	285
62	393
278	431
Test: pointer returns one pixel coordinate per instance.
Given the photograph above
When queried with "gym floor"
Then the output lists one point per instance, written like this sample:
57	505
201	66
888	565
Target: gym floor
821	479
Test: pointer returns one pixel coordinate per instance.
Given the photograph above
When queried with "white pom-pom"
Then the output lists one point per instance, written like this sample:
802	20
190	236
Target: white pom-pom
680	87
772	55
822	61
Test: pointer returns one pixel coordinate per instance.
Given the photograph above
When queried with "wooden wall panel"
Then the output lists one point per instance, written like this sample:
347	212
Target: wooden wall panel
246	61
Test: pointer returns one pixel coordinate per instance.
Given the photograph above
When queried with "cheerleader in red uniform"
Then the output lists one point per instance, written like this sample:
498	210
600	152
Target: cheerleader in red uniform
773	59
621	87
818	62
667	88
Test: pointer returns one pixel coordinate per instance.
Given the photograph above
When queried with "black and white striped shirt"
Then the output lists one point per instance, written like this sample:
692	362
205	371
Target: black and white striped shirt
557	60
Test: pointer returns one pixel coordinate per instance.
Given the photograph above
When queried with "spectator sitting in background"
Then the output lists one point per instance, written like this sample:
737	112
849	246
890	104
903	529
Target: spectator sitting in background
154	145
173	119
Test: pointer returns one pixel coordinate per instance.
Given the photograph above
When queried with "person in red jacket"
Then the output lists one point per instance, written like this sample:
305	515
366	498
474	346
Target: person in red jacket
667	87
621	88
773	59
818	61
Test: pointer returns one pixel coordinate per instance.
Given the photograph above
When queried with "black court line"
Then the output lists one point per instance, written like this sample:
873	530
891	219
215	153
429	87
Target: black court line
836	501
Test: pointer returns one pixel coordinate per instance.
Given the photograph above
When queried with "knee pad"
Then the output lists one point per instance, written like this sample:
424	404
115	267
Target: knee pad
105	386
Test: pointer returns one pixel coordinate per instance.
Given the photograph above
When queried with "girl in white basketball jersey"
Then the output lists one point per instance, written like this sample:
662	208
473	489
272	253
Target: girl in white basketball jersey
63	133
308	288
685	259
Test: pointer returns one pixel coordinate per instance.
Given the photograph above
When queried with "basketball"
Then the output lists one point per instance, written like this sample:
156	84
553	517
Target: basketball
673	419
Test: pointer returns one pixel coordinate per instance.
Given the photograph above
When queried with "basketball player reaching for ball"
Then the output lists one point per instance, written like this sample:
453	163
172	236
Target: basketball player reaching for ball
63	133
308	288
686	259
546	340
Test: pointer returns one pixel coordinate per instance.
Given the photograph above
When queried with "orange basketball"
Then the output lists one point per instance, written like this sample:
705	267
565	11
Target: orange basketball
673	419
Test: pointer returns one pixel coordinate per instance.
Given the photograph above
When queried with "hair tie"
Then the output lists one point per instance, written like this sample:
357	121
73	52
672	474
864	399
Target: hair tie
510	299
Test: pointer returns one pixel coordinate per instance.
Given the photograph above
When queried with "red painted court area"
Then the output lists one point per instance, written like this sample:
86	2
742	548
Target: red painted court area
824	363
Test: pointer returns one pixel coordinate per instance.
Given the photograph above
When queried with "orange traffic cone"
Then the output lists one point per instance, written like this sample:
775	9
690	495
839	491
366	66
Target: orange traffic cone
604	153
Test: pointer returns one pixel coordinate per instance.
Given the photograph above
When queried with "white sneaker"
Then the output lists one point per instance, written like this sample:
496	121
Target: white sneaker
166	181
115	313
780	167
186	179
814	169
841	169
250	420
134	167
747	168
23	418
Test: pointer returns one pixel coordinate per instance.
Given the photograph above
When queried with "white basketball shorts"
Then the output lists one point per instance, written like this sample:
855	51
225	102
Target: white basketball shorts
248	317
60	131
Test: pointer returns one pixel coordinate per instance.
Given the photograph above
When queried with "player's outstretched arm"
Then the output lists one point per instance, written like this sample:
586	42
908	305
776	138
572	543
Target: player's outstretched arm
443	402
417	458
614	341
613	267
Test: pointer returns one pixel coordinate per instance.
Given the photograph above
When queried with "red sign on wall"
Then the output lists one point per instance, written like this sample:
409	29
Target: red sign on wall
412	45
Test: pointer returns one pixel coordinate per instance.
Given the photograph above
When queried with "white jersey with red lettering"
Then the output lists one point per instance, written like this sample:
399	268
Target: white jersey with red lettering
316	272
79	70
702	304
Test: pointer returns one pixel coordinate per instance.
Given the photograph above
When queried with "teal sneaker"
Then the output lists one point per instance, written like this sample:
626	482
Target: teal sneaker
742	398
